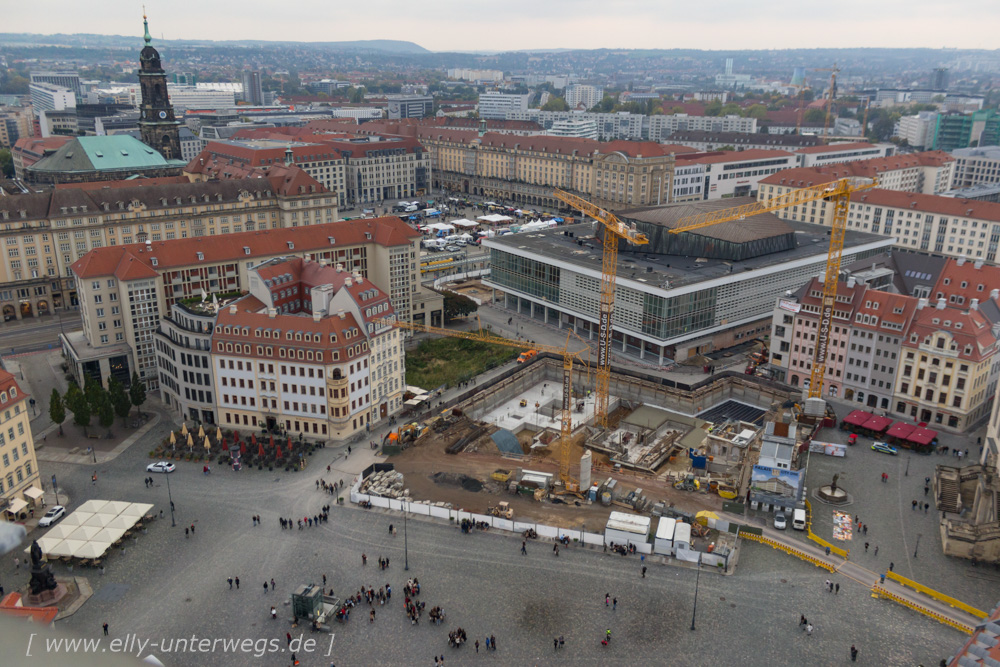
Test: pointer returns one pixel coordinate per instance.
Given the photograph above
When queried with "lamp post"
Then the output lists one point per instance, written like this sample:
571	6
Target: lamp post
697	579
55	489
916	547
173	523
406	547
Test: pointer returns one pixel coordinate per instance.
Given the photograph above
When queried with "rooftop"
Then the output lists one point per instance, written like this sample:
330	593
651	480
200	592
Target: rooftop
117	151
670	271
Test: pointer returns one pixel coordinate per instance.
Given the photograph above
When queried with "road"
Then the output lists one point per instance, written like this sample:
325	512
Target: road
31	335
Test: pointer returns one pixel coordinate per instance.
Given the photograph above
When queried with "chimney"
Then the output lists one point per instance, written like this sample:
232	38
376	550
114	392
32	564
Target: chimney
941	304
347	282
317	316
232	309
960	261
340	268
974	305
322	261
272	313
851	282
995	293
341	314
978	264
921	303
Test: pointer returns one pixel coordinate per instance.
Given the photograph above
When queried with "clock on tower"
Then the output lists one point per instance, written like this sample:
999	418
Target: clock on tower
157	125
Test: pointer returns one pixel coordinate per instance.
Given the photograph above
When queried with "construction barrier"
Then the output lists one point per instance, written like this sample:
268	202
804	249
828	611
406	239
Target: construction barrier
931	593
843	553
789	550
878	591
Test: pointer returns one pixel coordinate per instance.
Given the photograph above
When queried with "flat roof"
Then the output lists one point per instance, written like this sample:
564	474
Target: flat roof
677	270
665	529
629	523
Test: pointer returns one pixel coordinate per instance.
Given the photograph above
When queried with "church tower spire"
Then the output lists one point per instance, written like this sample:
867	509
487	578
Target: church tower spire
158	126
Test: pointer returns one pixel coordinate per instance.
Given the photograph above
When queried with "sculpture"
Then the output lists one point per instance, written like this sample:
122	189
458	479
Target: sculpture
833	484
42	578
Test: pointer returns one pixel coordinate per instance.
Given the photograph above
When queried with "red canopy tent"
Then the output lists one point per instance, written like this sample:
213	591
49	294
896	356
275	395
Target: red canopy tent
877	425
923	437
856	418
899	431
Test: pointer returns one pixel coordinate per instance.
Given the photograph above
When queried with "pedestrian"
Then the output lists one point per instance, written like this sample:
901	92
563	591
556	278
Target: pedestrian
93	478
192	529
809	629
891	565
555	643
643	571
524	548
881	578
487	643
364	559
324	581
273	587
186	532
607	599
802	620
913	504
105	626
17	563
865	530
828	584
927	506
265	588
493	642
477	646
230	580
926	489
614	604
837	589
866	547
237	583
608	635
927	481
348	450
288	638
876	550
274	613
371	617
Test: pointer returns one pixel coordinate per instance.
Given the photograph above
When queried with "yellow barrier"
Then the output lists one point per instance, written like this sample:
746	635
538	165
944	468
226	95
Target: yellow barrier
789	550
843	553
881	592
930	592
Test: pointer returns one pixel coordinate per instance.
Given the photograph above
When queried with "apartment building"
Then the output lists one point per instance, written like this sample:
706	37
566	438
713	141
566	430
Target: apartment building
15	123
495	105
737	173
183	346
19	479
837	153
934	360
610	126
306	351
702	140
917	130
45	233
659	128
68	80
976	166
582	95
124	290
50	97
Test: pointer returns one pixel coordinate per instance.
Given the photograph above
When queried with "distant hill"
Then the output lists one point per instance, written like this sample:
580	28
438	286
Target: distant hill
111	41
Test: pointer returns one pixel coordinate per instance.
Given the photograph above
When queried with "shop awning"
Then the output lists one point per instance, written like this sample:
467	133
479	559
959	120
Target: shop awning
857	417
922	436
34	492
16	505
900	430
877	424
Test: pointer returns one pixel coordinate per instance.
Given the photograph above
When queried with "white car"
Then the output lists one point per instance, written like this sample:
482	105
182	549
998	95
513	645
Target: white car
779	521
52	516
161	466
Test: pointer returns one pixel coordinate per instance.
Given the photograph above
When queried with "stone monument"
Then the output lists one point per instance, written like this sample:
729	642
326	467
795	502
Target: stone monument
45	590
832	493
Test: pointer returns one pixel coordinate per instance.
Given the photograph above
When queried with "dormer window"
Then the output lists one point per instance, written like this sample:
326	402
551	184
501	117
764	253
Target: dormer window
201	256
246	250
291	246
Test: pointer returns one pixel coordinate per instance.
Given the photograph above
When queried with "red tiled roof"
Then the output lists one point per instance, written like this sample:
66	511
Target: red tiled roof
954	274
967	328
738	156
7	382
883	306
388	231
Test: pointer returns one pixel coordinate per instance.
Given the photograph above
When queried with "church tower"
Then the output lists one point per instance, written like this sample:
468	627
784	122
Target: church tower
157	124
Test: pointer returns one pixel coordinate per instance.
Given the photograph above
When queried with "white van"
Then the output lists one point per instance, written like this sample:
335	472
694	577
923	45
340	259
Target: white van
799	519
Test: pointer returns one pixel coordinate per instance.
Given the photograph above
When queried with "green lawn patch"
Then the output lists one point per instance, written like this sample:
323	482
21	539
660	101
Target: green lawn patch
449	361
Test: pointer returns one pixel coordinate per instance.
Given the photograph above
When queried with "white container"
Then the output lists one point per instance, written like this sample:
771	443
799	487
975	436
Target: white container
664	543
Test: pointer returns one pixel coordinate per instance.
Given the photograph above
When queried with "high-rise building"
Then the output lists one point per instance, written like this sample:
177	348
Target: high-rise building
70	80
582	95
495	105
958	130
253	92
51	97
939	78
410	106
160	129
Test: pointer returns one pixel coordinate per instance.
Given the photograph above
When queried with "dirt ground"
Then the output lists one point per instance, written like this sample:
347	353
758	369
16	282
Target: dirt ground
419	465
472	288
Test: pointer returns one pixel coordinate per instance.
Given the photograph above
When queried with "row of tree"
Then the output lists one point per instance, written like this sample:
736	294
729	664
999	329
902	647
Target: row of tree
95	399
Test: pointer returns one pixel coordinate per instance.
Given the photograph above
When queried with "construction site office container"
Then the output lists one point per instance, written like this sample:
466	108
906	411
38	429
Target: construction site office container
682	536
623	528
664	543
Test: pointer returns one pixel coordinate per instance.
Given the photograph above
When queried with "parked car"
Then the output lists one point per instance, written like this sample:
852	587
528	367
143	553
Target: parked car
527	355
452	248
161	466
780	522
883	448
52	516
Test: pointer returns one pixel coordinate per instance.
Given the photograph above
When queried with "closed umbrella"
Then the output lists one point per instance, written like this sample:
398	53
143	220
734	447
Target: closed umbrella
190	441
184	429
260	450
218	434
208	446
279	451
173	439
201	432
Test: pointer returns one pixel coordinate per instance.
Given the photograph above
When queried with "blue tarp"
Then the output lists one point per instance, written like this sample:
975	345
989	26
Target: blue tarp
507	442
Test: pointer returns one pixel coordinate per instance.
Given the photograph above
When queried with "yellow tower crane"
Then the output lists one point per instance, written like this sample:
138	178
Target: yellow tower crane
566	423
839	193
614	230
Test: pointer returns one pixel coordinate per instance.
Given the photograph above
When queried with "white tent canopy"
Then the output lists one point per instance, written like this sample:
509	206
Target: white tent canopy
494	218
441	227
89	534
464	223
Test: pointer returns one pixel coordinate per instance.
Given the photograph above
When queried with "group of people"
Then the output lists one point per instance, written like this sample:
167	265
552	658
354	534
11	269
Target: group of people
436	614
329	487
457	637
307	521
412	587
622	549
468	525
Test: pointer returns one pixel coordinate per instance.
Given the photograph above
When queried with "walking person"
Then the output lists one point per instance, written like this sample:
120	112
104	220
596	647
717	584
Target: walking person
614	604
876	550
230	580
607	599
273	587
836	590
524	548
265	588
274	613
866	547
643	571
809	629
854	653
105	626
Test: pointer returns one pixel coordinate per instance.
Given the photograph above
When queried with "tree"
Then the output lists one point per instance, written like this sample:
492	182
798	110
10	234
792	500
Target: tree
80	406
814	116
6	163
119	399
57	409
731	109
94	393
106	412
137	392
758	111
457	305
713	108
555	104
357	95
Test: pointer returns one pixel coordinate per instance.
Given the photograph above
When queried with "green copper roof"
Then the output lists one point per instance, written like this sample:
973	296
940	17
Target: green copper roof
118	151
145	24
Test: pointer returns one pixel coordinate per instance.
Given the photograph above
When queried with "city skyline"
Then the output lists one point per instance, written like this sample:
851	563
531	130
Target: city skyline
448	25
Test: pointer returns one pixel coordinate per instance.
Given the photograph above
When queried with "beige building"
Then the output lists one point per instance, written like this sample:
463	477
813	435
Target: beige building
19	487
304	352
124	290
43	234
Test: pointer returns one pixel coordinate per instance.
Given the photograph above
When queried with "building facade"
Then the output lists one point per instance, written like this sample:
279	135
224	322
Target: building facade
976	166
50	97
107	158
737	173
582	95
160	129
124	289
183	344
410	106
19	485
69	80
253	91
495	105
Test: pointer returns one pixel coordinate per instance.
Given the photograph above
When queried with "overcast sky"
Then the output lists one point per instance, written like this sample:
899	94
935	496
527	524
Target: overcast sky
444	25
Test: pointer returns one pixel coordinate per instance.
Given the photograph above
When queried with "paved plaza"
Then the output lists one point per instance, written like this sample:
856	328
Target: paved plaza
166	586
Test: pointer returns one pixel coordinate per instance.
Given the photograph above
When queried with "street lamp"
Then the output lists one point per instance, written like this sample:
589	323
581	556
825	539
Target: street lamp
916	547
173	523
93	453
406	548
696	580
